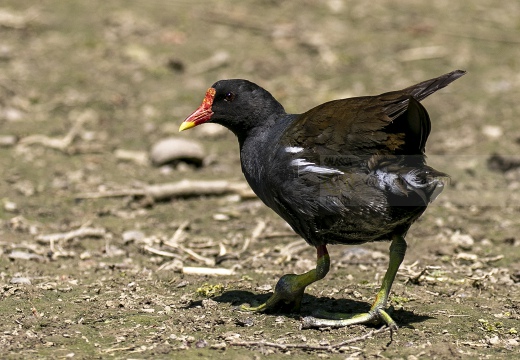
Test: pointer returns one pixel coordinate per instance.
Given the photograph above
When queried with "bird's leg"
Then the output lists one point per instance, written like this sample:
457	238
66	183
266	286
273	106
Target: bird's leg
377	312
290	287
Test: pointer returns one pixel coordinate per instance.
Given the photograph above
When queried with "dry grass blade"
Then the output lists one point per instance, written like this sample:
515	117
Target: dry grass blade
257	232
178	234
291	249
173	243
193	254
161	252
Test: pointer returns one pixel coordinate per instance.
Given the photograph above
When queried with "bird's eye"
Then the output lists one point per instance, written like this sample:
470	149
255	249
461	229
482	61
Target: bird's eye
229	97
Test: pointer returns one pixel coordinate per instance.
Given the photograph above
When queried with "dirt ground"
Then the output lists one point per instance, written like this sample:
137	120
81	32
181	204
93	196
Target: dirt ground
87	87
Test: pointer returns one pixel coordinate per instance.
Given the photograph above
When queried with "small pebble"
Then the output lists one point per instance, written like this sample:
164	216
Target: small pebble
219	346
133	236
24	255
492	131
175	149
8	140
266	287
209	303
513	342
220	217
247	322
85	255
230	336
201	344
494	340
10	206
12	114
464	241
182	284
20	280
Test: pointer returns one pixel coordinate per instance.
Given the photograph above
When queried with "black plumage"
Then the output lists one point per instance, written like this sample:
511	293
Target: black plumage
345	172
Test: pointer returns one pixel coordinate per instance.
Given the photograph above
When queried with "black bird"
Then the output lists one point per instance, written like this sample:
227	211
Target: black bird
347	172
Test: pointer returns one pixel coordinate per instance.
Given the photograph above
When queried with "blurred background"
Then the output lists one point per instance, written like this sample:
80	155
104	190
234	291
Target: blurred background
91	97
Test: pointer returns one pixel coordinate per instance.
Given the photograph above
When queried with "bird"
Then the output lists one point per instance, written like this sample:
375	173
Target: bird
348	171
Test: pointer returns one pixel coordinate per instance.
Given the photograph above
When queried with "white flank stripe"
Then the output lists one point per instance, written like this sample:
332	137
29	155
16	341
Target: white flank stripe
301	162
311	167
293	149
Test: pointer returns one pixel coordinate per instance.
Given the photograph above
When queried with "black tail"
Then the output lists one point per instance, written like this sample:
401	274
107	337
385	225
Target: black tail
428	87
397	100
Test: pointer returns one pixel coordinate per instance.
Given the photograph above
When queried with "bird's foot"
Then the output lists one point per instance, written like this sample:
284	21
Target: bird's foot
376	315
290	288
289	291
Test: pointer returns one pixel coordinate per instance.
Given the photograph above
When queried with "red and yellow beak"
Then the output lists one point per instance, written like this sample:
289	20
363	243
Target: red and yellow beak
202	114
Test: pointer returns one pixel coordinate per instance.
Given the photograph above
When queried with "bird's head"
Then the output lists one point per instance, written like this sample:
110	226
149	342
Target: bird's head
236	104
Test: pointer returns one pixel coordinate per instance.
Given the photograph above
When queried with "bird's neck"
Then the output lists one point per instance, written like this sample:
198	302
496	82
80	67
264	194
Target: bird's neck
258	147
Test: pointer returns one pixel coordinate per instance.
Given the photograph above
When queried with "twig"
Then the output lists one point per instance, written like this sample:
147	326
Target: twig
279	234
61	144
415	278
329	348
492	258
111	350
205	260
193	254
79	233
180	189
206	271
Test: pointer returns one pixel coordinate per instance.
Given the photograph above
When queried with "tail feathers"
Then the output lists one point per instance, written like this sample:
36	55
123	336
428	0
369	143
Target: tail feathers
397	100
426	88
426	182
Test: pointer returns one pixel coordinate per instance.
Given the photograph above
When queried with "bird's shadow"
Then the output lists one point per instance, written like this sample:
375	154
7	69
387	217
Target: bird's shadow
236	298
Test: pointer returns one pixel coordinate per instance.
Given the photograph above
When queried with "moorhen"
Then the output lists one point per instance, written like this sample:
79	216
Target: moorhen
347	172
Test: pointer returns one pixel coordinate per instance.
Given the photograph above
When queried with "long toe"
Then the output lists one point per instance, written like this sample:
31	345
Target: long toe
337	320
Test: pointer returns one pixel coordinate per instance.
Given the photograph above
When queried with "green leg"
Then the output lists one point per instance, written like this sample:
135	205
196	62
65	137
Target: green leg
290	287
377	312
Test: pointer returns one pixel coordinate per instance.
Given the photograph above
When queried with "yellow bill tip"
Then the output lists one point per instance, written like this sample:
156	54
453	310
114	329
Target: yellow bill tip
186	125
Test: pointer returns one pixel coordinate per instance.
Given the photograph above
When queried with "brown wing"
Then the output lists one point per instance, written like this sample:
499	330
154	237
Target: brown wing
355	125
